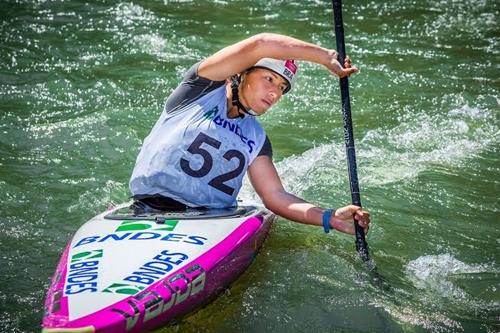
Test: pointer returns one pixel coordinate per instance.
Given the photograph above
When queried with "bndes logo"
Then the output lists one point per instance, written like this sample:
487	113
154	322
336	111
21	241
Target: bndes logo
83	272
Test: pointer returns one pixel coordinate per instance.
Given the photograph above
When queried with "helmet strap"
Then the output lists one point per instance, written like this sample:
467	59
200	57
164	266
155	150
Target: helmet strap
235	100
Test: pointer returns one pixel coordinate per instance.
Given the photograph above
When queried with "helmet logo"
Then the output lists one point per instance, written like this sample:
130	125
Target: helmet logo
287	73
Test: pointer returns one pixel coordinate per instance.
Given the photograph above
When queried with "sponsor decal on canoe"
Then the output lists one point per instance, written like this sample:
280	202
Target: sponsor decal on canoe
133	230
148	273
132	225
83	272
169	293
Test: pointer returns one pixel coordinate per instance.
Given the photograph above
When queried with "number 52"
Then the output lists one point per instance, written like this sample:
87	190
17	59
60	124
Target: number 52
218	182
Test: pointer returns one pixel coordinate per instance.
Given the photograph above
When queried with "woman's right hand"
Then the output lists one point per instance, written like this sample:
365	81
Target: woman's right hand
342	220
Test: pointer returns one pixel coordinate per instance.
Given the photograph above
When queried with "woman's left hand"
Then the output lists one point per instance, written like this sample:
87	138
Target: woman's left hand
334	67
342	220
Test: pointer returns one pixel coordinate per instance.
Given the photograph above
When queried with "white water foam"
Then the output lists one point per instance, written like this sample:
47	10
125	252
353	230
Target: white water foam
97	199
299	172
152	44
387	155
431	271
422	140
129	13
432	276
130	22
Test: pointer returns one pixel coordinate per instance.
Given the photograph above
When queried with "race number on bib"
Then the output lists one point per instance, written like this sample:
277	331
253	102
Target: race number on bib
199	147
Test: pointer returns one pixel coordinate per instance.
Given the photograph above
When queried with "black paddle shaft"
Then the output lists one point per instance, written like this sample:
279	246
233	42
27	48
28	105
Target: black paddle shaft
361	245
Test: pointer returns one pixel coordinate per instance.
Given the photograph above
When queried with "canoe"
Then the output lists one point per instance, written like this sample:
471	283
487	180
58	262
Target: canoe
131	273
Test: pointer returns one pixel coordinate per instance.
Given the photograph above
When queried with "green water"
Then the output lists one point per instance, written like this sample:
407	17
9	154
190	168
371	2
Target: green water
81	84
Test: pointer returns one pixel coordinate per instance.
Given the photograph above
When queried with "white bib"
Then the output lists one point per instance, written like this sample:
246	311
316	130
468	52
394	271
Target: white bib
196	155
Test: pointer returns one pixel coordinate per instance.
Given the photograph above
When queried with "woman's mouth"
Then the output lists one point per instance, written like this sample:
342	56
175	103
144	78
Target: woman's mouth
267	103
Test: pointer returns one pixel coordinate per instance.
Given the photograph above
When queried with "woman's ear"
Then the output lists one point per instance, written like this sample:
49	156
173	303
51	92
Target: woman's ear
243	75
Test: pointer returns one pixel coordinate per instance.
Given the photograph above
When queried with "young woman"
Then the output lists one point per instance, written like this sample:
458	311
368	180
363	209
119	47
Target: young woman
208	136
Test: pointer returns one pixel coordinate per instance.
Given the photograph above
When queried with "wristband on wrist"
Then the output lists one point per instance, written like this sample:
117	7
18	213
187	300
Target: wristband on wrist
326	220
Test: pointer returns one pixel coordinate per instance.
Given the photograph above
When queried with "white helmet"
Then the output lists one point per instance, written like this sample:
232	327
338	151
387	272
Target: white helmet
285	68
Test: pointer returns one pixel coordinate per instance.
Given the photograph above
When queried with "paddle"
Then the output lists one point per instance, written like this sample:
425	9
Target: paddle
361	245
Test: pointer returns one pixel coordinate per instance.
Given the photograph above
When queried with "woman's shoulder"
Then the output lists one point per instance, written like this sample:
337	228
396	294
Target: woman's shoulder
191	88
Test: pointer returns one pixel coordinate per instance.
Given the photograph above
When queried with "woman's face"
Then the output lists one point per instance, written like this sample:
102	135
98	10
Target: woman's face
261	88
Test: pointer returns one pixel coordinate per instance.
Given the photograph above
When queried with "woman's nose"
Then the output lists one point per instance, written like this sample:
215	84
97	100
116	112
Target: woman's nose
274	94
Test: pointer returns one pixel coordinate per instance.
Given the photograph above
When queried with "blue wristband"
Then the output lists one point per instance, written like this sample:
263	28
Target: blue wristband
326	220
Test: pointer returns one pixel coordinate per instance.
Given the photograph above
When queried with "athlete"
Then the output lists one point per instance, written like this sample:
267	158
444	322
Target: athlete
208	135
